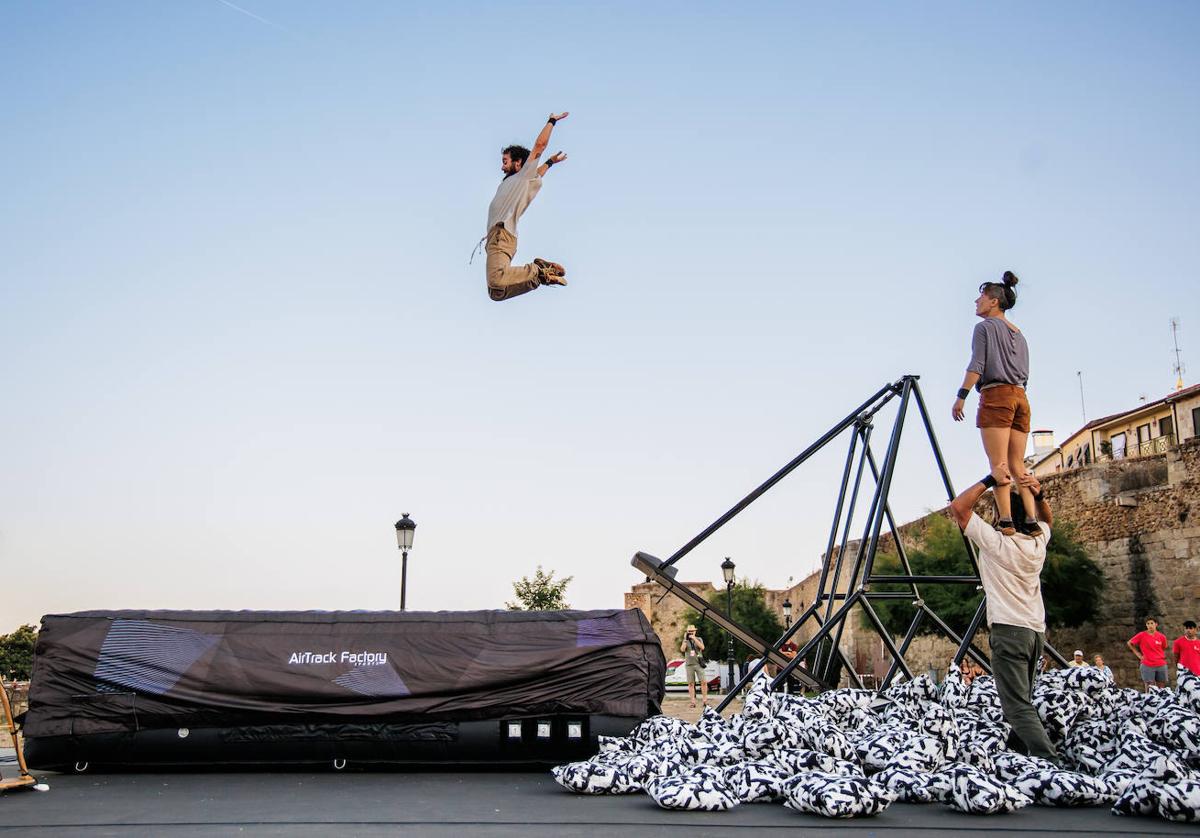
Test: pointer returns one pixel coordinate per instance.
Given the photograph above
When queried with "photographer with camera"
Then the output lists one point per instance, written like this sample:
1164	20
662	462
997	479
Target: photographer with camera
692	648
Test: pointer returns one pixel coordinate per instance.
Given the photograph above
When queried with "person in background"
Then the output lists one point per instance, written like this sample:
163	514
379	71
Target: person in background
969	670
692	648
1150	648
1098	662
1186	650
788	650
1078	660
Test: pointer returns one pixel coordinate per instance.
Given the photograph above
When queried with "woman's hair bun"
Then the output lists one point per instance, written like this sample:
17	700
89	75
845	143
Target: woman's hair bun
1009	279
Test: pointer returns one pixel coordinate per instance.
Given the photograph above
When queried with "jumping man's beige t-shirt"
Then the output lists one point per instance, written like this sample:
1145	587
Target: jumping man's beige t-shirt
1011	569
513	196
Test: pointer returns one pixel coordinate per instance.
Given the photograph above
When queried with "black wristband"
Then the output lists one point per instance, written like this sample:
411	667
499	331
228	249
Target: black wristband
988	482
552	121
550	161
963	393
1040	496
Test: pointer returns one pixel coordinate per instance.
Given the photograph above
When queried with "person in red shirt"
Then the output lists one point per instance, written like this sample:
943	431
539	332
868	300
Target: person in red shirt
1186	650
1150	647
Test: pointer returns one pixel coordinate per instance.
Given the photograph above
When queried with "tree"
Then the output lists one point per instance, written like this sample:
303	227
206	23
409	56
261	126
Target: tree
16	653
1071	581
749	609
541	593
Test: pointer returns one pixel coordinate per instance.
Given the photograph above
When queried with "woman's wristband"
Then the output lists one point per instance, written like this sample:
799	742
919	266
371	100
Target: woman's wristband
1040	496
552	121
988	482
550	161
963	393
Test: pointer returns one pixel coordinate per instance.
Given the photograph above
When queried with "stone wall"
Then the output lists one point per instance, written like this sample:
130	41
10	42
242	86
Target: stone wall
1140	522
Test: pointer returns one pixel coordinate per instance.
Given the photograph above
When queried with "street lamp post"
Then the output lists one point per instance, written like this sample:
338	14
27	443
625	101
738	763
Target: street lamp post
727	567
787	613
404	539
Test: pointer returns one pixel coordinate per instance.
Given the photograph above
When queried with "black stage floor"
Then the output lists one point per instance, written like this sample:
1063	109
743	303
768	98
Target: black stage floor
457	805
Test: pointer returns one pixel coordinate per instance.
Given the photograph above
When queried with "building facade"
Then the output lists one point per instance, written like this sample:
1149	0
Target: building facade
1146	430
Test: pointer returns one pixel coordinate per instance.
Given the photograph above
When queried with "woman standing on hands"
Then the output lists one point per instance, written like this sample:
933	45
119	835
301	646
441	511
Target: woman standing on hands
999	370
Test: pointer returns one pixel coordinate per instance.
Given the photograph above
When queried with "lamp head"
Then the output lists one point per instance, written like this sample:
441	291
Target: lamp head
404	532
727	567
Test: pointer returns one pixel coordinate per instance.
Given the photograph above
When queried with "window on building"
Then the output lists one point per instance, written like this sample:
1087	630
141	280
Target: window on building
1118	445
1087	453
1166	426
1143	432
1196	421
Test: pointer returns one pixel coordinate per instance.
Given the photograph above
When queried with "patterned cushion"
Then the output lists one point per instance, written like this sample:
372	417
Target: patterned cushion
983	699
968	789
700	789
761	736
1051	787
797	760
754	782
657	727
954	690
1189	689
825	736
1175	727
909	786
1009	765
834	796
594	778
1163	788
898	748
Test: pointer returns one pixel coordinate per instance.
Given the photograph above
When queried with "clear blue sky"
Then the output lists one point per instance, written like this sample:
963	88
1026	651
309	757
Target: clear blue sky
239	334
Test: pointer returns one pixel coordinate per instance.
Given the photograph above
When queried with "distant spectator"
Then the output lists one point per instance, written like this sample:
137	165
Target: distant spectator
788	650
1150	648
692	648
1078	660
1098	662
1186	650
969	670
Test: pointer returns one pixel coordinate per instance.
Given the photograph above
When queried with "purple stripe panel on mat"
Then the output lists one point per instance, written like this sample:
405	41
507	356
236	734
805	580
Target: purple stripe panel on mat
607	631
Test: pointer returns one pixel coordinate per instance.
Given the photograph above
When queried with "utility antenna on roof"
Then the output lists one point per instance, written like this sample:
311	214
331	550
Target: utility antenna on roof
1082	407
1179	368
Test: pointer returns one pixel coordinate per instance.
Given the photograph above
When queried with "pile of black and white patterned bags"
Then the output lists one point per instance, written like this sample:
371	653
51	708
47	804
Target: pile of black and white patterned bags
852	753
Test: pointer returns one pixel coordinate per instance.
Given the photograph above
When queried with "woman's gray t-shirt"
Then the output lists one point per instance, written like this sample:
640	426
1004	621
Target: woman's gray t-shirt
999	354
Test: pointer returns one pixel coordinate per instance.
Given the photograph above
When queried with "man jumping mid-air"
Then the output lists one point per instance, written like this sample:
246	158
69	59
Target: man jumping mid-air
522	180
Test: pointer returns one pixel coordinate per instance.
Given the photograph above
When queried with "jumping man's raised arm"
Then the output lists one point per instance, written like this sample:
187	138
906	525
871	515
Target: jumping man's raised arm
550	161
543	139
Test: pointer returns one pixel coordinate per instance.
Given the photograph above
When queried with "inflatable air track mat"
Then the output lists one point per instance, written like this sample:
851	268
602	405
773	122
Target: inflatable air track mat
113	689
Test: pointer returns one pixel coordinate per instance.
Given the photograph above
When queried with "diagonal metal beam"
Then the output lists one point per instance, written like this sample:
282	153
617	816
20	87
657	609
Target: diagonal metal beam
654	568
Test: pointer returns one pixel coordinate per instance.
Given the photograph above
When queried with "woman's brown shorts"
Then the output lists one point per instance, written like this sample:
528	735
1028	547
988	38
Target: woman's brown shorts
1003	406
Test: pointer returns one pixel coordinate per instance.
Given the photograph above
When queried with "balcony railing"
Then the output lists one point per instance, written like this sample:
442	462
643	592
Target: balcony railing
1150	447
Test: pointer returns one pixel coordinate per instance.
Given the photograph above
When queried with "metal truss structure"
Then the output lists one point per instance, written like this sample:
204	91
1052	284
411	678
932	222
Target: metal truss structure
847	581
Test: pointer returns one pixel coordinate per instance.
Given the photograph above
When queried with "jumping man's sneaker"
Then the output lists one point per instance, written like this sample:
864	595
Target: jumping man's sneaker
550	273
550	267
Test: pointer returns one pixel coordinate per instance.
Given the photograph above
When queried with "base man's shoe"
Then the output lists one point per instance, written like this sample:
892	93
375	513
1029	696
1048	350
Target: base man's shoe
1030	528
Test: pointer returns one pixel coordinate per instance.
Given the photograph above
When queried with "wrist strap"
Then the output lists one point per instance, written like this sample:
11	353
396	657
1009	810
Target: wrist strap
988	482
963	393
1040	496
550	161
552	121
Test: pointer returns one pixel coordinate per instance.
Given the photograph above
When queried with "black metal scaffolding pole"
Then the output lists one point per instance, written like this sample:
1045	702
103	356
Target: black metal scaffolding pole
779	475
832	606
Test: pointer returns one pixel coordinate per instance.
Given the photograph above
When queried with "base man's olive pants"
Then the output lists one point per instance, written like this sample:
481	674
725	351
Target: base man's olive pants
1015	655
